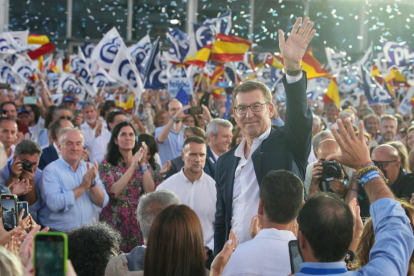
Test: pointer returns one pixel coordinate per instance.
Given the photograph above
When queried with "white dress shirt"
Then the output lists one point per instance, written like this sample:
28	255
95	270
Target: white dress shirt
57	150
201	196
265	255
89	133
99	147
245	190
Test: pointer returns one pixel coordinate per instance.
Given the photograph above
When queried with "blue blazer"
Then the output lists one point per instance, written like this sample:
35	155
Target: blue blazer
209	168
286	148
48	156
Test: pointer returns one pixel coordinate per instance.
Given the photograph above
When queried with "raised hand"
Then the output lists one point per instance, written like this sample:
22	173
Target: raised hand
137	157
143	160
20	188
166	167
294	48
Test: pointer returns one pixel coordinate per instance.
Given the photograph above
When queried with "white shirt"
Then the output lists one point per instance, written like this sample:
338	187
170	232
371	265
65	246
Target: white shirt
201	196
13	147
36	129
99	147
266	255
245	190
57	149
89	133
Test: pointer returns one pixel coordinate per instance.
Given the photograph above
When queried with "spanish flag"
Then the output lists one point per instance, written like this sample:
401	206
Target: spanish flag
332	95
229	48
313	67
218	72
46	45
199	58
274	61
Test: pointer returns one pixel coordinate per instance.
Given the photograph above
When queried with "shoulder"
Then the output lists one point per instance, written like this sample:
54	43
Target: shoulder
158	130
209	179
228	155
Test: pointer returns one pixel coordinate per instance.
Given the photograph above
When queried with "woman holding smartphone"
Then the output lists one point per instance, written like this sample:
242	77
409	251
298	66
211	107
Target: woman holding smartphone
126	176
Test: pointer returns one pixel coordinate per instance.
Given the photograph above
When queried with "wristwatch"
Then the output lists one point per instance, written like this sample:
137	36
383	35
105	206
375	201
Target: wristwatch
294	73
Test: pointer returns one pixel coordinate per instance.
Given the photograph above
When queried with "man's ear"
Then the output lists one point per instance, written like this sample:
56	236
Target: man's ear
59	146
260	210
271	110
182	156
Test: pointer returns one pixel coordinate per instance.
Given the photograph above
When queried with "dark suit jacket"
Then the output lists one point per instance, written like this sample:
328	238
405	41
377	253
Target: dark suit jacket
286	148
48	156
209	168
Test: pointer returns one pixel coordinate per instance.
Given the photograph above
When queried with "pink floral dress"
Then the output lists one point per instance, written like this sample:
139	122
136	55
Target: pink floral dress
120	212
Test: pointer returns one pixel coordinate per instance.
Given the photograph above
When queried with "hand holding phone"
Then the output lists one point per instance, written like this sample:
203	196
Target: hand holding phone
9	211
50	254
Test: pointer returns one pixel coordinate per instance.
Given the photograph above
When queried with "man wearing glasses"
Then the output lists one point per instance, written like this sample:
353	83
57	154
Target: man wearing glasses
240	170
400	182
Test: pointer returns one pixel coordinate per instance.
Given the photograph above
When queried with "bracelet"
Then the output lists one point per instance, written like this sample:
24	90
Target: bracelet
367	163
353	189
368	177
143	171
94	183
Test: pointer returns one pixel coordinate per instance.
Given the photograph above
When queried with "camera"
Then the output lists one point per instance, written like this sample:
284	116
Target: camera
331	170
27	165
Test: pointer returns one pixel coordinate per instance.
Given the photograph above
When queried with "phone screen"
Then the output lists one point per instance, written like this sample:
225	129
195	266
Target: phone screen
29	100
9	212
295	257
49	255
23	205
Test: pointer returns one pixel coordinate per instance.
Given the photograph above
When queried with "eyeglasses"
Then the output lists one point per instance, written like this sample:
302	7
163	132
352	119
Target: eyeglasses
65	117
382	164
242	109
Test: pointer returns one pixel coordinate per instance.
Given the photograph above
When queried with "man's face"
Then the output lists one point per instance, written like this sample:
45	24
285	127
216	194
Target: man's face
173	107
377	109
90	114
331	112
194	156
388	130
65	114
34	159
71	147
389	165
253	124
8	131
222	140
372	125
71	105
64	124
10	111
117	119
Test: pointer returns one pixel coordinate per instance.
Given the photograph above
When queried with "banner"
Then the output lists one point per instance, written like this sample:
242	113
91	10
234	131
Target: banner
397	54
175	84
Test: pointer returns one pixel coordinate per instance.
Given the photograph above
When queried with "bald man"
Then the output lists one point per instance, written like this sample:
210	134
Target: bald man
400	182
313	180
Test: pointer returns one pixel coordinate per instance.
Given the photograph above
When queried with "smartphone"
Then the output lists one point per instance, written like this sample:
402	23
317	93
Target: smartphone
77	111
23	205
195	110
224	84
9	211
295	257
29	100
50	253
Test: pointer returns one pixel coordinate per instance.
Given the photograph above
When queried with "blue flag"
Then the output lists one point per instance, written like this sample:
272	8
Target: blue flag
203	35
180	44
153	73
182	96
374	92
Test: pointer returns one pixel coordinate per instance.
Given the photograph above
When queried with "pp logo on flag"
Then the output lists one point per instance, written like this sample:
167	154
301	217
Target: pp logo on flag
126	72
71	85
25	71
7	76
110	49
4	46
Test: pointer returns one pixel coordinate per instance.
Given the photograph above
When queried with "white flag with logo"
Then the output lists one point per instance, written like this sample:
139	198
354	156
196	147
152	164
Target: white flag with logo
10	76
125	71
84	75
69	83
24	68
105	52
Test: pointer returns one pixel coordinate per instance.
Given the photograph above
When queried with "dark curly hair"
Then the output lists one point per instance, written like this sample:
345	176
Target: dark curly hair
91	247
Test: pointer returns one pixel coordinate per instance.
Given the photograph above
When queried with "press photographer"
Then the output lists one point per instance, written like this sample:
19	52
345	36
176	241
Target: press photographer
328	176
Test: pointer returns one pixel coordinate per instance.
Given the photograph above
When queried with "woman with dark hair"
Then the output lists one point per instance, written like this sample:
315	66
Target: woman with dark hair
175	244
126	176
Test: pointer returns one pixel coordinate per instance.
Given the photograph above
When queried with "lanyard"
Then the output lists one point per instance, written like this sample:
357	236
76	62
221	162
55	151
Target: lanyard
322	271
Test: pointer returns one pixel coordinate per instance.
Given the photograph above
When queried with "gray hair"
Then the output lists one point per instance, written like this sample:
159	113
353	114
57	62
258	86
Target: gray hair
27	147
61	107
150	205
344	114
213	126
63	133
318	137
86	105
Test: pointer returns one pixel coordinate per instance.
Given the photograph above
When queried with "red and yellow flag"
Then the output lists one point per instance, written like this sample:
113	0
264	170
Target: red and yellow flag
274	61
43	40
199	58
229	48
332	95
312	67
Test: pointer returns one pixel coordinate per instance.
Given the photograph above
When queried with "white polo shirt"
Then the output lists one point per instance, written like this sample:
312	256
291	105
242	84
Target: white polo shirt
201	196
265	255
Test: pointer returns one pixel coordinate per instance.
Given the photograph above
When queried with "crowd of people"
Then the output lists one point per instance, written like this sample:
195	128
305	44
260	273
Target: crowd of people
168	192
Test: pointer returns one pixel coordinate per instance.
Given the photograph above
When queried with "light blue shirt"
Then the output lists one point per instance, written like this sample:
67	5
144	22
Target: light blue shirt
172	147
5	174
60	210
390	255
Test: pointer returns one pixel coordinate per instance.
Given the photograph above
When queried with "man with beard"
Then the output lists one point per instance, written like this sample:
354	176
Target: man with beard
371	123
92	127
388	128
